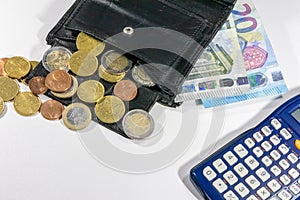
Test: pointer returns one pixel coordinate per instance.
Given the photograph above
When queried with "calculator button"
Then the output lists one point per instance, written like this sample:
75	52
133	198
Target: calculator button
284	195
274	185
266	145
284	164
285	179
209	173
230	177
275	140
298	166
263	193
241	151
241	189
252	197
220	165
275	170
266	130
293	173
267	161
241	170
250	143
220	185
295	189
258	152
252	182
258	136
275	155
251	162
230	196
283	149
230	158
293	158
276	124
263	174
285	134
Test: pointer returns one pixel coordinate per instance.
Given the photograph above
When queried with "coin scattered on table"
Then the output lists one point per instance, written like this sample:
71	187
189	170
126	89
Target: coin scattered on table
108	77
57	58
90	91
110	109
138	124
33	64
114	62
52	110
140	76
85	42
2	63
125	90
83	63
9	88
27	104
2	106
58	81
77	116
70	92
17	67
37	85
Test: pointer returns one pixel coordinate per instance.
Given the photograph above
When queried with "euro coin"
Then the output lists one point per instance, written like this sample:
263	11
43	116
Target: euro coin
77	116
27	104
108	77
110	109
90	91
37	85
52	110
84	64
138	124
17	67
56	58
85	42
2	63
70	92
2	106
58	81
141	77
33	64
9	88
125	90
114	62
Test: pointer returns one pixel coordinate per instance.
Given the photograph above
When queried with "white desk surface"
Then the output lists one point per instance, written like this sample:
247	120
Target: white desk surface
44	160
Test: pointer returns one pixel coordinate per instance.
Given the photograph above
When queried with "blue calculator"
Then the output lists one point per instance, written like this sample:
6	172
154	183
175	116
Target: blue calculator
262	163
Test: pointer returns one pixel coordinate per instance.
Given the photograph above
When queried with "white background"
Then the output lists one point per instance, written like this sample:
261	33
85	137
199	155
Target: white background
44	160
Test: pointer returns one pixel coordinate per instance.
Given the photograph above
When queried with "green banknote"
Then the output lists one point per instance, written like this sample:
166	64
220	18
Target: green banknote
263	70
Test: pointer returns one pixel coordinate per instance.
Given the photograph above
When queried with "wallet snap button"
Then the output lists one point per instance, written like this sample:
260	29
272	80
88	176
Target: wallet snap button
128	30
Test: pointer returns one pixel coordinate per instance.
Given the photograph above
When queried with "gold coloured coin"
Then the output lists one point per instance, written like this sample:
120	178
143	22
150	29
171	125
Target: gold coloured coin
110	109
27	104
9	88
56	58
17	67
85	42
69	93
114	62
77	116
33	64
82	63
2	106
90	91
111	78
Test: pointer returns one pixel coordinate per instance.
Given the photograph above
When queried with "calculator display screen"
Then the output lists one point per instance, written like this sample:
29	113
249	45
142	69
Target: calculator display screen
296	115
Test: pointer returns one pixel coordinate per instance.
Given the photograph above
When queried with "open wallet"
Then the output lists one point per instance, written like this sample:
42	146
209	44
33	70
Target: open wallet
164	37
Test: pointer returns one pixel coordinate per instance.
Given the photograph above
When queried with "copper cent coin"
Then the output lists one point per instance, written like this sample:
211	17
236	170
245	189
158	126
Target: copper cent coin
58	81
2	62
125	90
37	85
52	110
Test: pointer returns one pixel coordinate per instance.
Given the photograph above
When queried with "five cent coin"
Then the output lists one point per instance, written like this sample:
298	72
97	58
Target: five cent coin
58	81
37	85
52	110
70	92
125	90
27	104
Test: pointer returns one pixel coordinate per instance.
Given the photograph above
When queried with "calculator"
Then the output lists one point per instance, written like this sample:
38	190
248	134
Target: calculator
262	163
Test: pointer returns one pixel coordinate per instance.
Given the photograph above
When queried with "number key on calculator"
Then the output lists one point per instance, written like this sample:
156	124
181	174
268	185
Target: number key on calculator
262	163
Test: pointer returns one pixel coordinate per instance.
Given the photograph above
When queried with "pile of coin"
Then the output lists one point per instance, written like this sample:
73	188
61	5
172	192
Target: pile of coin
65	67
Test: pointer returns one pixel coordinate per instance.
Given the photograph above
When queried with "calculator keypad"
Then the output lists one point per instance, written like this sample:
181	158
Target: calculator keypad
263	166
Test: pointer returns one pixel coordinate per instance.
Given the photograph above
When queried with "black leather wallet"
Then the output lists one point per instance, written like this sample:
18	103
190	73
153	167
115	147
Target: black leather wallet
167	36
